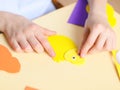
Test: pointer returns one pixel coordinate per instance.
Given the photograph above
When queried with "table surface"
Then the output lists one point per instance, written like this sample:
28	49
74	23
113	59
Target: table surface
115	3
41	72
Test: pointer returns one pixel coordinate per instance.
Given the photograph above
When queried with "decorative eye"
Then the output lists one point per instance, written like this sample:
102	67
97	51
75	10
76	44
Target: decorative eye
73	57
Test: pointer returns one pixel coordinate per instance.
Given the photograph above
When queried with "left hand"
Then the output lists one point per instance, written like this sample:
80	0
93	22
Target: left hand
98	35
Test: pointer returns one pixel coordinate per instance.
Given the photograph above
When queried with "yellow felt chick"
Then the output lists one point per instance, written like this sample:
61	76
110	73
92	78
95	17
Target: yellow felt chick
65	49
73	57
110	14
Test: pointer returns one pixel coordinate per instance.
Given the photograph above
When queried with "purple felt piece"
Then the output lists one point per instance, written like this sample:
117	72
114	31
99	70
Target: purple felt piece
79	14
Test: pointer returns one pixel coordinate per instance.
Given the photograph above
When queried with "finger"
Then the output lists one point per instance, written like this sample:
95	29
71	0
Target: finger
110	44
13	43
47	32
46	45
43	30
89	42
107	45
114	42
99	45
24	44
35	44
86	33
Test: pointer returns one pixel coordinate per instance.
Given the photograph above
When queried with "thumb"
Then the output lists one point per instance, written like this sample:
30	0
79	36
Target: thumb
85	35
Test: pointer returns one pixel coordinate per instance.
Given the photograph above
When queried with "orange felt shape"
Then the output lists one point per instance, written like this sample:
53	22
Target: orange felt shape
30	88
7	62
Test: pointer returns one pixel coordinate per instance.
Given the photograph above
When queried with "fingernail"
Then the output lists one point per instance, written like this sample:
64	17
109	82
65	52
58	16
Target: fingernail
82	55
52	54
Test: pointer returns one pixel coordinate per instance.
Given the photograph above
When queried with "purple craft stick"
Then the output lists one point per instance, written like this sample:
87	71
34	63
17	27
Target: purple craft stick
79	14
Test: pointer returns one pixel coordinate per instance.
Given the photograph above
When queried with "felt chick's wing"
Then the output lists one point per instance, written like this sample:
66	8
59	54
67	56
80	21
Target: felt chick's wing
65	49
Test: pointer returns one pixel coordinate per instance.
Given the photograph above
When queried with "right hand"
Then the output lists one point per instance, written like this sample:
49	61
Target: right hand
24	35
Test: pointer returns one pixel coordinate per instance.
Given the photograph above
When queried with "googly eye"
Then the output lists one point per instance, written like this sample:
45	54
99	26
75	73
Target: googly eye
73	57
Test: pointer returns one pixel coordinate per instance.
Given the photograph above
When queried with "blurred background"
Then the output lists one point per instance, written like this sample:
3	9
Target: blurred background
63	3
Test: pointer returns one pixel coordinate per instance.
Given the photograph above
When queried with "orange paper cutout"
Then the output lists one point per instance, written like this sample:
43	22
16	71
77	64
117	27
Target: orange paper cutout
30	88
7	62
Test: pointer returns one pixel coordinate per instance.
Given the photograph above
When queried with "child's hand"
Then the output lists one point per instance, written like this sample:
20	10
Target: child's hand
24	35
98	36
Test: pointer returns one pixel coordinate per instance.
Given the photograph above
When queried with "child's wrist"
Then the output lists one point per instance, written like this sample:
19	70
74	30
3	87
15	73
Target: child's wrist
97	5
100	13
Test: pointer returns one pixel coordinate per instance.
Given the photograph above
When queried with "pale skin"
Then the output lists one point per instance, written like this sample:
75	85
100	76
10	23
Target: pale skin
98	35
24	35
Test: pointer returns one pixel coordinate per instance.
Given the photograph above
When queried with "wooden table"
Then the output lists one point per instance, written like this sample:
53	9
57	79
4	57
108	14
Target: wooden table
115	3
41	72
